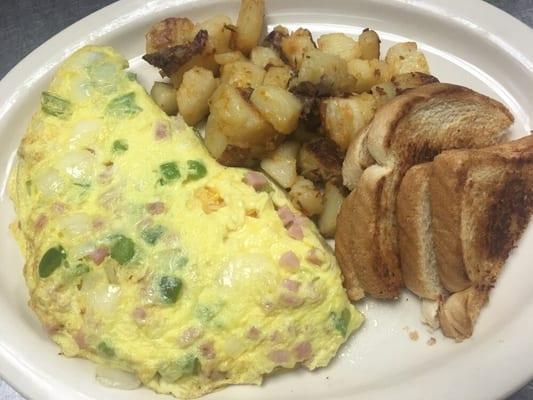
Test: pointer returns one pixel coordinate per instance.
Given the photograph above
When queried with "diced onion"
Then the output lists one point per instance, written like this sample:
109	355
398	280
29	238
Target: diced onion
50	183
84	132
79	164
117	379
75	223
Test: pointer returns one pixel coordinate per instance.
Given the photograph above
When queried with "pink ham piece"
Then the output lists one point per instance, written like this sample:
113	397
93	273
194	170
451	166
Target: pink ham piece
291	285
253	333
289	261
41	222
279	356
314	256
290	300
99	254
80	339
286	215
139	315
295	231
161	131
207	350
155	208
255	179
302	351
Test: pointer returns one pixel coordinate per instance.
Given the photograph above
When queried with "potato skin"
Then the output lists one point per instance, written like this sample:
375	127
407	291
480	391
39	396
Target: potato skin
320	160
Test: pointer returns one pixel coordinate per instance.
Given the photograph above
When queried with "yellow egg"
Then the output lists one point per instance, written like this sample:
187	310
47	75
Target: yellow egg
144	254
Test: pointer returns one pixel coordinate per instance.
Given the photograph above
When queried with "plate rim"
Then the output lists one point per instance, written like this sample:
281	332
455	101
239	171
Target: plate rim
485	17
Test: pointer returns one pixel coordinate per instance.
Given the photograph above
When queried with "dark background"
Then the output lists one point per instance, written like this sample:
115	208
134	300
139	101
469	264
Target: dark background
26	24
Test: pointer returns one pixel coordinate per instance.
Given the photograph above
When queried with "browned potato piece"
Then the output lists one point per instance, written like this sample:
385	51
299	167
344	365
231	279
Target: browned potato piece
274	38
327	70
235	118
412	80
340	45
169	32
333	198
279	107
342	118
405	57
303	135
278	76
204	60
369	44
320	160
242	74
219	35
264	56
296	45
229	57
225	153
164	96
368	73
306	197
193	94
280	164
383	92
250	24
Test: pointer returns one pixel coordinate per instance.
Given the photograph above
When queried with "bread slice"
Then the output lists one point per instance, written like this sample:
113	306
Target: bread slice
412	128
358	228
417	255
459	313
357	160
481	203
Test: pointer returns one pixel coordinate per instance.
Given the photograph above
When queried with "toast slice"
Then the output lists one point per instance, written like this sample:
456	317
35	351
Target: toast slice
412	128
357	160
358	228
417	255
481	203
459	313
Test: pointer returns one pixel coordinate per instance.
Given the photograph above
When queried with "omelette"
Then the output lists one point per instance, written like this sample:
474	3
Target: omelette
145	255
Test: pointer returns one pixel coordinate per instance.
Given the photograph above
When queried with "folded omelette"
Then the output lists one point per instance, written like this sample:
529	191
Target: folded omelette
146	255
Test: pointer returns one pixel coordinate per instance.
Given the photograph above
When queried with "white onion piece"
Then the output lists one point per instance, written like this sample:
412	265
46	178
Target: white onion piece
241	270
80	90
84	131
102	297
79	164
75	223
234	346
82	250
116	379
50	183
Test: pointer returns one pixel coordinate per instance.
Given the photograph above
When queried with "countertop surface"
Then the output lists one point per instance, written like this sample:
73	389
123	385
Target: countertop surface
26	24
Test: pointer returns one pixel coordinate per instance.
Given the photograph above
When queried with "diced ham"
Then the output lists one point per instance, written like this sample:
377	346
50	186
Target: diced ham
139	315
253	333
295	231
279	356
59	207
41	222
302	351
255	179
99	254
52	329
161	131
286	215
291	285
207	350
315	256
98	223
189	335
155	208
80	339
290	300
289	261
106	176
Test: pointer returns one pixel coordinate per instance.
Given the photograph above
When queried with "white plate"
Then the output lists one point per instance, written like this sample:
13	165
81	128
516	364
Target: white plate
466	42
